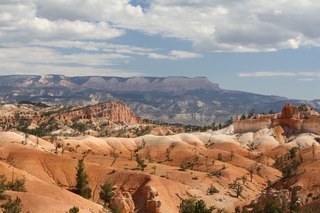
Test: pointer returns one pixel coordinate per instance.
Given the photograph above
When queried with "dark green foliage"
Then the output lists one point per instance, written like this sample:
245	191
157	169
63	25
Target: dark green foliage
293	152
237	210
106	193
228	122
251	113
272	207
2	187
79	127
271	112
141	164
2	183
294	197
269	207
303	108
184	166
288	163
237	187
12	206
212	190
74	210
17	185
243	117
82	188
216	173
193	206
115	209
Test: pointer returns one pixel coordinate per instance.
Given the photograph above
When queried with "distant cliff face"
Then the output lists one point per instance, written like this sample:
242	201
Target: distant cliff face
292	119
115	111
184	100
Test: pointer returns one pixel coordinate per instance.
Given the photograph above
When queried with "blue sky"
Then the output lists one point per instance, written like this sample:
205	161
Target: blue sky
266	47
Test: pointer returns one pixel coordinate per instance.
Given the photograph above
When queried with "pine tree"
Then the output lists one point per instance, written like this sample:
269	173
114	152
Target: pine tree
82	188
106	193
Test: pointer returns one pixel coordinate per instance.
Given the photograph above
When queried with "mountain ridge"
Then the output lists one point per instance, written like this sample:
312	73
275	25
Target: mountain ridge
195	101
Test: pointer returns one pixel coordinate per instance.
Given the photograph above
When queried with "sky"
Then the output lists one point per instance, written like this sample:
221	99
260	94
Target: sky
266	47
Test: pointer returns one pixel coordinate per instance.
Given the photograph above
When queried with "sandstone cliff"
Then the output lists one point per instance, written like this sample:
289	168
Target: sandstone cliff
292	119
116	111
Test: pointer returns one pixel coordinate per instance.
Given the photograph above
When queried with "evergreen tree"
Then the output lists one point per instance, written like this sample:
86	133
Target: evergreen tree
106	193
82	188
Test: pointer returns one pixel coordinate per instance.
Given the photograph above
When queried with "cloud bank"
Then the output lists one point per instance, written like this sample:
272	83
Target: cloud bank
40	31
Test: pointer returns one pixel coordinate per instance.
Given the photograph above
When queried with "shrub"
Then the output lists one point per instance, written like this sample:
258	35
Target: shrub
12	206
17	185
237	187
74	210
184	166
212	190
141	164
193	206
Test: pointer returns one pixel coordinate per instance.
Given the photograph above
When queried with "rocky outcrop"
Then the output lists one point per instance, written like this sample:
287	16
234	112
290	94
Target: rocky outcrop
115	111
251	125
123	200
292	120
153	205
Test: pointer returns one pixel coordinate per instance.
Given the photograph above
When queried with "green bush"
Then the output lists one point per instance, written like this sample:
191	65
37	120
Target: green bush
212	190
17	185
74	210
12	206
193	206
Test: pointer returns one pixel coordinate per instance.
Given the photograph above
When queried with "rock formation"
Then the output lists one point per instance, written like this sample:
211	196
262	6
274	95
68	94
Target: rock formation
116	111
123	200
153	205
292	120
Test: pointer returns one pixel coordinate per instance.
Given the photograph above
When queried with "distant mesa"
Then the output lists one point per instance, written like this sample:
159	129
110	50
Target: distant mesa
292	119
164	84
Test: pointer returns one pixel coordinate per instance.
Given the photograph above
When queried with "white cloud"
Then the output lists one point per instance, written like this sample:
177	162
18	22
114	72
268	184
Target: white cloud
36	29
175	55
304	76
184	54
246	25
211	25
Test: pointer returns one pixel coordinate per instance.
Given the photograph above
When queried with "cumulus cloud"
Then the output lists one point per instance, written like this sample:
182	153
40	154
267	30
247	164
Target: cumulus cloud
210	25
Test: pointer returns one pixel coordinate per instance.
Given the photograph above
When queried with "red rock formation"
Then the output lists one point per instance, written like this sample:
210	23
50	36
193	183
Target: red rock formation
153	205
289	111
116	111
124	201
292	119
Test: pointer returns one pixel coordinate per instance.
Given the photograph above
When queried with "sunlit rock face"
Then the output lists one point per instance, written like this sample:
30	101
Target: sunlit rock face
292	119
